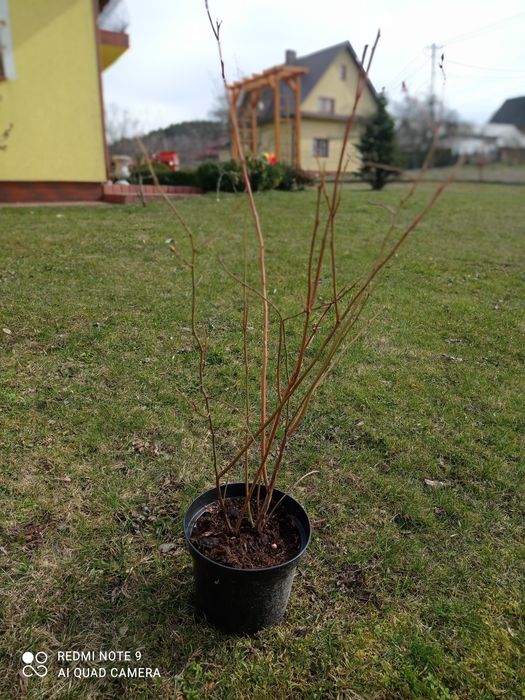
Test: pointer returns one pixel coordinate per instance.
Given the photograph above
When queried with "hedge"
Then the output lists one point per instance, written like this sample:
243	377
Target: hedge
227	176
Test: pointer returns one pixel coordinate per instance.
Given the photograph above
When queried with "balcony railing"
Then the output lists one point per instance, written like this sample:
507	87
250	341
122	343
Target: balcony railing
113	16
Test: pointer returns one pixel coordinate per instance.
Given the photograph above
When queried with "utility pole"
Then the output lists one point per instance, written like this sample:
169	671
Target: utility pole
432	100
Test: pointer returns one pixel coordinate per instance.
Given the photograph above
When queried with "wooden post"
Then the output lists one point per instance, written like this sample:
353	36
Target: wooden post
232	96
277	117
254	98
252	86
242	117
297	93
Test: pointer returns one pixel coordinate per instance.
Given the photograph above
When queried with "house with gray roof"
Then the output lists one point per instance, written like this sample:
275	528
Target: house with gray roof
511	112
325	98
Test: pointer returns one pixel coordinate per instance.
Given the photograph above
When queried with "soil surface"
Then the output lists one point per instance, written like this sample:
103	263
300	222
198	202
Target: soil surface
278	542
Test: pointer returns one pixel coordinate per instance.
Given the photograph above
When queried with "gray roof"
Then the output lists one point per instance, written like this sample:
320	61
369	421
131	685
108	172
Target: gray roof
316	63
511	112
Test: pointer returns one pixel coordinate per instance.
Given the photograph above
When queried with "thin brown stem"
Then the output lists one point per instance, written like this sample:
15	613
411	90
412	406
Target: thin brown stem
245	318
216	28
199	342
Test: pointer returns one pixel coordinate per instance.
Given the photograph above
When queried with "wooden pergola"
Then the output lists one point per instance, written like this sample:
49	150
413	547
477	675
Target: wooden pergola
252	87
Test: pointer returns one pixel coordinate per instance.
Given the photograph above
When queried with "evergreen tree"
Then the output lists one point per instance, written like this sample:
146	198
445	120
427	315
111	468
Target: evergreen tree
378	145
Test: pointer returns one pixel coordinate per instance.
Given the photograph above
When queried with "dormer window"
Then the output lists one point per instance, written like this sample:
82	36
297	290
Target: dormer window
342	71
326	105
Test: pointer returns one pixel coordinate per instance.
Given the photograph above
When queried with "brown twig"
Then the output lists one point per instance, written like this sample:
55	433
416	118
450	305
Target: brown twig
307	375
216	28
201	344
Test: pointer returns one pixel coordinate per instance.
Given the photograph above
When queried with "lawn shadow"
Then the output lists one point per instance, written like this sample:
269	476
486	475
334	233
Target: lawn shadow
150	613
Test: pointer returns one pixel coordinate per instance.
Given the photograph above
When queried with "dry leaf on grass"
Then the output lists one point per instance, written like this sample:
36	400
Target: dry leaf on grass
435	484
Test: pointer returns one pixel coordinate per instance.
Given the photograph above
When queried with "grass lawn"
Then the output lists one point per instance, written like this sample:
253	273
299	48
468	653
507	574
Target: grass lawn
407	591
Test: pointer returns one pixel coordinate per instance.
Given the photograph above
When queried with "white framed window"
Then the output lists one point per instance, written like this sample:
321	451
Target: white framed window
7	59
326	105
321	148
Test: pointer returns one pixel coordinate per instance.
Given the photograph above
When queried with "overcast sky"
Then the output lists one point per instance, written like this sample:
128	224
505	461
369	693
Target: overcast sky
171	71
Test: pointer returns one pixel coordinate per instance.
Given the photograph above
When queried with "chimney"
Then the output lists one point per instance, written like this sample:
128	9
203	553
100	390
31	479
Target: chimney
290	57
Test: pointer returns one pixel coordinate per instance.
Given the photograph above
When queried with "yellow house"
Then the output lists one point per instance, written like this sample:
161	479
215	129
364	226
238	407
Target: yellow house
51	56
299	110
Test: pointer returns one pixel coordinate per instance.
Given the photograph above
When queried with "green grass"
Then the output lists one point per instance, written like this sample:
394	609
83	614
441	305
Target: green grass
407	591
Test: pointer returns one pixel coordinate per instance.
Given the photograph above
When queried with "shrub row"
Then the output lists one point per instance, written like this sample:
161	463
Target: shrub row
227	177
164	175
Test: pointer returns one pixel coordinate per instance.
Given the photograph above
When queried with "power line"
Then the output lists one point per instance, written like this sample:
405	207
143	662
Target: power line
463	76
418	70
482	30
405	78
490	68
400	74
420	85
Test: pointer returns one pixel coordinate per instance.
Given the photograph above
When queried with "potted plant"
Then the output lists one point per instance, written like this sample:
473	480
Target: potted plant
245	536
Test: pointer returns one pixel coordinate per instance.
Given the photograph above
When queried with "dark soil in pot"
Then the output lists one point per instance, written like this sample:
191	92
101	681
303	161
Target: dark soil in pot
278	542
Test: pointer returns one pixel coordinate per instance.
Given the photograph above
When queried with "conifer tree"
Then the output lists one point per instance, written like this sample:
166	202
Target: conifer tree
378	146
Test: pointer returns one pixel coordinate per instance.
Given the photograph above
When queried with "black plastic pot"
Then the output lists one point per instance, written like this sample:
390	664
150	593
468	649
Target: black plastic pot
242	601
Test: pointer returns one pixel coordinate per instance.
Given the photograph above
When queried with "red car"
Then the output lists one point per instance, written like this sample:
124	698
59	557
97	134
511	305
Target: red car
169	158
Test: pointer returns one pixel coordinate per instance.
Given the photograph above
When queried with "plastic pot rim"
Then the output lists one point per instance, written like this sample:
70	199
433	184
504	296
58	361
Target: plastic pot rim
189	523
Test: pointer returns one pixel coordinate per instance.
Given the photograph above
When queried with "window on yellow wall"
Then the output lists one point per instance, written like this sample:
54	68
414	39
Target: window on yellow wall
326	105
342	71
321	148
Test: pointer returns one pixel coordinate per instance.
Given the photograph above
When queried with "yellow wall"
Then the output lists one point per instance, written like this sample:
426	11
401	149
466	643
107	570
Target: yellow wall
334	132
310	129
343	91
54	101
331	85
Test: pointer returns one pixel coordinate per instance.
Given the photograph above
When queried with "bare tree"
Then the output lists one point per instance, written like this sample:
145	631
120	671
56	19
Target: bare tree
220	110
120	124
416	126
